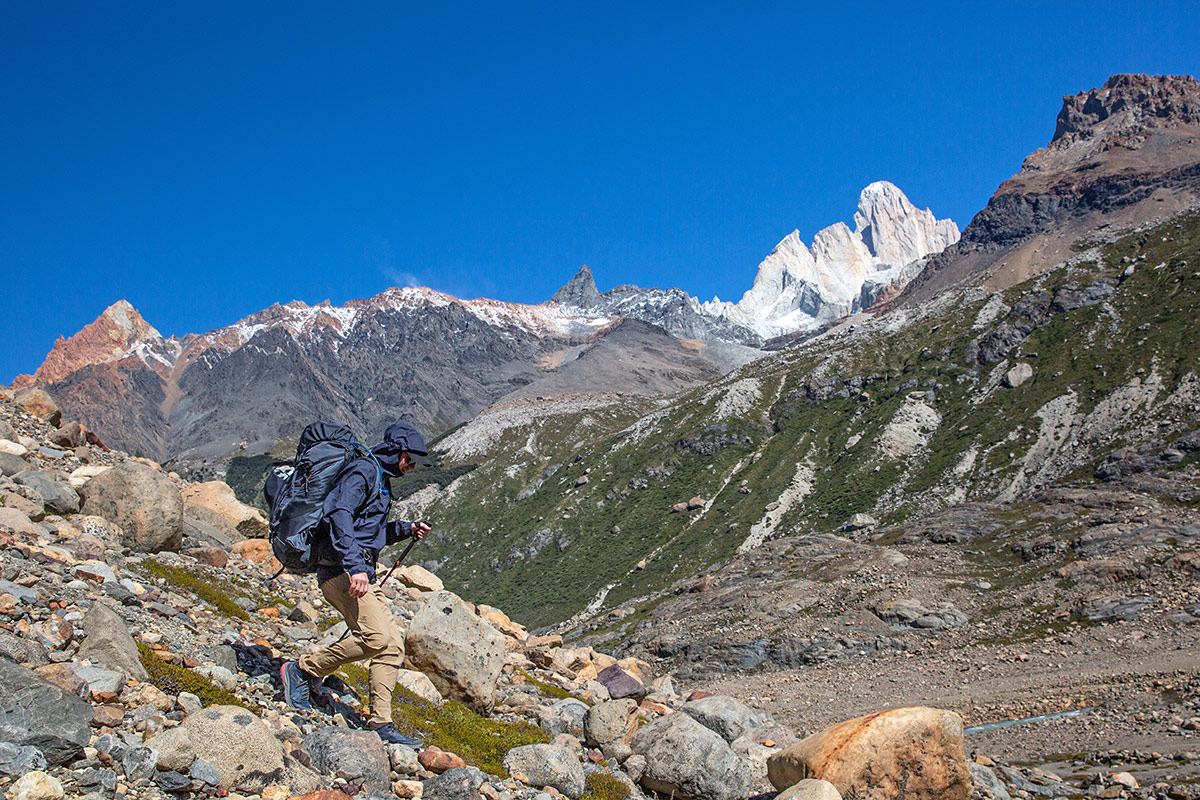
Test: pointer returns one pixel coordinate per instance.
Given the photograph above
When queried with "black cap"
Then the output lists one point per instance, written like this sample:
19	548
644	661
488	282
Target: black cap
402	436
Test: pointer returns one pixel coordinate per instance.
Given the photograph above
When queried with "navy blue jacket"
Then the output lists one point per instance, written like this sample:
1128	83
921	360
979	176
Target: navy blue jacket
355	528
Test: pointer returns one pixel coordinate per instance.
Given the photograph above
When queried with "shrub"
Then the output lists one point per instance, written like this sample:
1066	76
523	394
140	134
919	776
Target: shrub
173	679
604	787
195	583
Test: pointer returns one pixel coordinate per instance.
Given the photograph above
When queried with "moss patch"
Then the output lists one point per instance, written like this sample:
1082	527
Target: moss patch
453	727
604	787
546	688
196	583
173	679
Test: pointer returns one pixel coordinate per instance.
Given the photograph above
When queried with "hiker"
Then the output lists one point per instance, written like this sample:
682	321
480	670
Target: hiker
353	530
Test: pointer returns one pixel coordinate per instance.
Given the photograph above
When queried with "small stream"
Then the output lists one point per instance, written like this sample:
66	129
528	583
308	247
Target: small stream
1009	723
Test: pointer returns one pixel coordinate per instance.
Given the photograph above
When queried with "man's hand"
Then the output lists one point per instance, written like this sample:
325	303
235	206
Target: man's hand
359	584
419	529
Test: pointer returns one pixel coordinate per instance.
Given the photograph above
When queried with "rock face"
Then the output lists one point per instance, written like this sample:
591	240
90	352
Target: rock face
144	503
461	654
685	759
38	713
38	403
215	503
108	641
1113	148
902	754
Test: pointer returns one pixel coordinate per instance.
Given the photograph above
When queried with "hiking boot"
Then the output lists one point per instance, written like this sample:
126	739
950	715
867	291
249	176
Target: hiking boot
297	688
387	731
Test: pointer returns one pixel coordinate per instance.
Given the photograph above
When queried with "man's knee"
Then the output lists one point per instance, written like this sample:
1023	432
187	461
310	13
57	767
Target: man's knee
376	642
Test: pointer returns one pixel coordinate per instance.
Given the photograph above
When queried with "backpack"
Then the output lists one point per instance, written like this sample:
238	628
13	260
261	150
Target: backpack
296	493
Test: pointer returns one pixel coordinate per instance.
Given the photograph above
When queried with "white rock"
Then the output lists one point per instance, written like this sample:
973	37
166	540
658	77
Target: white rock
85	473
36	785
1018	375
12	448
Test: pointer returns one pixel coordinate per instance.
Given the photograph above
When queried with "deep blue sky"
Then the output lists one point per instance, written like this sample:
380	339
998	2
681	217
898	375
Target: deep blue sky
205	160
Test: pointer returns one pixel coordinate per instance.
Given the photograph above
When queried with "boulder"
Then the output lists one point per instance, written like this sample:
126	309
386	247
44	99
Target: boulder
108	641
37	403
902	754
419	684
11	464
609	721
201	534
13	520
684	759
36	785
723	715
70	435
358	756
22	651
17	759
1018	375
37	713
461	653
144	503
24	500
540	765
460	783
239	745
256	551
14	449
859	521
620	683
810	789
417	577
174	746
215	503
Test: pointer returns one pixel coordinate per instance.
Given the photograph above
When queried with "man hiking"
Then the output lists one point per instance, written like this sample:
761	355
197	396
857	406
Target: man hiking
353	530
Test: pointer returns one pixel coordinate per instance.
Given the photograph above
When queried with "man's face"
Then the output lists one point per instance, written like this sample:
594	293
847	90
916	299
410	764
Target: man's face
406	463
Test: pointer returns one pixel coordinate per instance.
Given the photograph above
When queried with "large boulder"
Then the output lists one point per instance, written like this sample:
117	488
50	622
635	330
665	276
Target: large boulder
540	765
37	403
240	746
59	496
215	503
610	721
461	653
11	465
723	715
37	713
108	641
684	759
358	756
13	520
142	501
902	754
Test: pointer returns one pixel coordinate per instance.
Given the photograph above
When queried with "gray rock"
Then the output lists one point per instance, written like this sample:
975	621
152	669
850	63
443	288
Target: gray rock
173	782
572	711
224	656
687	760
608	721
108	641
103	781
357	756
723	715
174	746
403	759
35	712
541	765
240	746
460	783
1018	375
107	743
202	770
219	675
146	505
59	496
461	653
140	762
18	759
620	684
984	778
810	789
200	534
27	596
101	679
860	521
10	464
23	651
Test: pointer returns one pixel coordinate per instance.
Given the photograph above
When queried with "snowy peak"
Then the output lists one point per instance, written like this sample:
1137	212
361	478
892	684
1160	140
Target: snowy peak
844	270
580	291
119	332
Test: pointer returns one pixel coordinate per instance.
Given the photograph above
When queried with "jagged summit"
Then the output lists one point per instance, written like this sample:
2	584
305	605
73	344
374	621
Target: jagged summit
1145	101
580	291
119	331
844	270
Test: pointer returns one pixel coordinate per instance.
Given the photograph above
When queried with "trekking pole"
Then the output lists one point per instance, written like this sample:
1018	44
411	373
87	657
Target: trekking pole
395	564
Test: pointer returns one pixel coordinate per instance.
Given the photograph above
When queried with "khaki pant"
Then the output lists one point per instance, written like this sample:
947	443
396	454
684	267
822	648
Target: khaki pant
373	635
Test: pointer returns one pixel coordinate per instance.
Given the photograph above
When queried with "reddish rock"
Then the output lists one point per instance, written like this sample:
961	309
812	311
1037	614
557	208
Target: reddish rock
439	761
69	435
699	695
107	715
323	794
212	556
256	551
37	403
